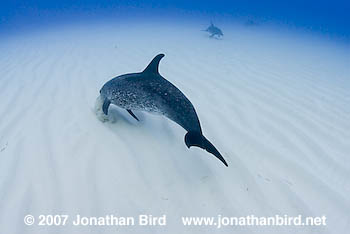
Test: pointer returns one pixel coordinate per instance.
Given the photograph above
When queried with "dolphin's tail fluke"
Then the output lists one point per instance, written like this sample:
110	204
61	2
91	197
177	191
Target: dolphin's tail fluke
197	139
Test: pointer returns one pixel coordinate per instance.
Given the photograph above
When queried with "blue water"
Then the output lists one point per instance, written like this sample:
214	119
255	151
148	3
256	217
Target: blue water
330	18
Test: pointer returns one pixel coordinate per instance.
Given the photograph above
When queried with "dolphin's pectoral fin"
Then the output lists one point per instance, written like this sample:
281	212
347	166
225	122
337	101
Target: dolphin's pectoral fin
152	67
197	139
105	106
133	115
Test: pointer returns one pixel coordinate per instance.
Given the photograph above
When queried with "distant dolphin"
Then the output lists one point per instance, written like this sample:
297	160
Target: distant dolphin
213	30
149	91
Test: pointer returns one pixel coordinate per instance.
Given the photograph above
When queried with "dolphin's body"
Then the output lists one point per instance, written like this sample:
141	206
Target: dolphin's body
213	30
149	91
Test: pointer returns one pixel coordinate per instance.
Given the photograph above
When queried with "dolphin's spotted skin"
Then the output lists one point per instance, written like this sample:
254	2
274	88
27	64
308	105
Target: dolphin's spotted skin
149	91
213	30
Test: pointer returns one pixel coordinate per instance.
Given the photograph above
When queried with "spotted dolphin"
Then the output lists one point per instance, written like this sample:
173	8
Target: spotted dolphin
213	30
149	91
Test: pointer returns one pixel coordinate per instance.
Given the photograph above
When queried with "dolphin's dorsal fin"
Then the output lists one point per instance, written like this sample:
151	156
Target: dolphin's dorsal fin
153	65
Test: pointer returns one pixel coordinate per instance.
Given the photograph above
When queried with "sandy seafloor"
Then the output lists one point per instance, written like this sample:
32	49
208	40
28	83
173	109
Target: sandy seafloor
275	103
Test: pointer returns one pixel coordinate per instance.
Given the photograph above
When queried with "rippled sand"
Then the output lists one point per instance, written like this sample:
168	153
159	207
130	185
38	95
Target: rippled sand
275	104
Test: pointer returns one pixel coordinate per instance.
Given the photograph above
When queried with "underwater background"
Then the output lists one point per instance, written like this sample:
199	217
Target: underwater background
271	93
327	17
